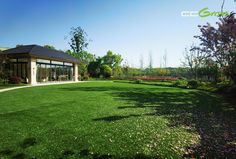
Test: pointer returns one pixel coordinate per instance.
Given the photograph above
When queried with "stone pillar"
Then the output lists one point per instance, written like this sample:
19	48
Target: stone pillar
76	72
32	71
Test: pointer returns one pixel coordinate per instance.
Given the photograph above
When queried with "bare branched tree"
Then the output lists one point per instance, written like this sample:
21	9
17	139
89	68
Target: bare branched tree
141	62
165	59
193	58
150	60
222	6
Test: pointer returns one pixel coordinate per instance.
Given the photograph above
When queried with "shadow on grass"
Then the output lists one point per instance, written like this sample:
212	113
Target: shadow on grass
27	142
209	115
160	83
85	153
114	118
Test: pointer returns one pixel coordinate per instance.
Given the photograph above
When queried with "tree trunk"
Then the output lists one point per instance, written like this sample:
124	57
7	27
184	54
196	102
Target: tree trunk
233	77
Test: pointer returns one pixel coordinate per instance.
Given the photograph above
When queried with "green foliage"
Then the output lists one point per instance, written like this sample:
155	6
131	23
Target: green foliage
192	84
138	81
94	68
117	71
226	87
85	78
82	69
86	57
49	47
105	66
78	39
180	83
111	59
18	45
106	71
160	72
218	42
132	71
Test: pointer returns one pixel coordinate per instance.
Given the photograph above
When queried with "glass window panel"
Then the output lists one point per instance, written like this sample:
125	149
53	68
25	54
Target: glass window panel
15	70
57	62
13	60
43	61
11	70
68	64
53	73
43	73
23	73
38	72
23	60
48	77
19	70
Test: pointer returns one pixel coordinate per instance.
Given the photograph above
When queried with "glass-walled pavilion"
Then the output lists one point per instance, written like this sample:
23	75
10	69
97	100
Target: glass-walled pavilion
35	64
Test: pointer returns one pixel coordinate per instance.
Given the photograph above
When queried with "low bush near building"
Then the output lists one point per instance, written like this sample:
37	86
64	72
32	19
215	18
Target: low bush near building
15	80
192	84
85	78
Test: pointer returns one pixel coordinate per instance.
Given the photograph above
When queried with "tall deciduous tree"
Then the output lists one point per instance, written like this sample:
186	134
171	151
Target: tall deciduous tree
193	58
78	39
220	44
94	68
141	62
111	59
165	59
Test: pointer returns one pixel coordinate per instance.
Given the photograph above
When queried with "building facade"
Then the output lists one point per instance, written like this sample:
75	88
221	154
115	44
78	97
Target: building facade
36	64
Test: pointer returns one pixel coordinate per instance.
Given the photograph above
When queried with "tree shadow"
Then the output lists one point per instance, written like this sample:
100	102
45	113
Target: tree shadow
114	118
209	115
100	89
27	142
86	153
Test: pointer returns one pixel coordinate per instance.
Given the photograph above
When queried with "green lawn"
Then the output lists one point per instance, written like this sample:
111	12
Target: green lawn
115	120
3	86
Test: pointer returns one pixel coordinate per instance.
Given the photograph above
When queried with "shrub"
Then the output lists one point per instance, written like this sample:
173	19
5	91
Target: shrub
232	89
15	80
182	78
79	77
106	71
138	81
192	84
180	83
226	88
176	83
85	78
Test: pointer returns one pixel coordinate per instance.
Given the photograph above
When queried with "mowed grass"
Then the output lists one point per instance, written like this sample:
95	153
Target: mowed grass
115	120
3	86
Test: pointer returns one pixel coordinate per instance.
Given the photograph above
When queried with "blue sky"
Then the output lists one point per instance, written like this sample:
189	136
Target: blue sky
129	27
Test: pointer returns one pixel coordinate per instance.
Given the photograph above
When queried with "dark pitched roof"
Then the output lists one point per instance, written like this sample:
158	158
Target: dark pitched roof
41	52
